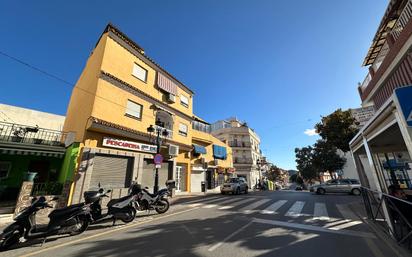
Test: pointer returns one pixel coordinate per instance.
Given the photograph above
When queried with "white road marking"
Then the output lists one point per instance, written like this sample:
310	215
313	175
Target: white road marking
271	209
236	204
346	225
295	210
346	212
314	228
211	249
320	212
250	208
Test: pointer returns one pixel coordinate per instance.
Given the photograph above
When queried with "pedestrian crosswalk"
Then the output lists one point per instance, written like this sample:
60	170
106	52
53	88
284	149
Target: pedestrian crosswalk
291	209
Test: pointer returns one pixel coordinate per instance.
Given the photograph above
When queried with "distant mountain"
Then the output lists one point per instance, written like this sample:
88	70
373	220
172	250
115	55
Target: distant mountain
292	172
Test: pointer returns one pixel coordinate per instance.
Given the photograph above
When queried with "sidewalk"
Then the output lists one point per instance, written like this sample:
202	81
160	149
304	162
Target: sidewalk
359	210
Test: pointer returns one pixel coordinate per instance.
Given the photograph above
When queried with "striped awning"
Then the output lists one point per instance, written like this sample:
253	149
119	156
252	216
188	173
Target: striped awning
166	84
31	152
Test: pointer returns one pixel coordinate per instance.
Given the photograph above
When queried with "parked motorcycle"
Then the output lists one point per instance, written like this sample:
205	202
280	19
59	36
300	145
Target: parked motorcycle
73	220
121	208
158	201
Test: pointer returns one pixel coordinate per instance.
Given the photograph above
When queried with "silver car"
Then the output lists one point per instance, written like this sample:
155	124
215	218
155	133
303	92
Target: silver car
350	186
234	186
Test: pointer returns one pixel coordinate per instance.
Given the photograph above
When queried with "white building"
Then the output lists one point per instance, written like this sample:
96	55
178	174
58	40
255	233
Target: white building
245	144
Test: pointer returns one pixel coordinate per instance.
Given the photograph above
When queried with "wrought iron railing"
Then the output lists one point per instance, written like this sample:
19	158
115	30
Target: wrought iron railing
11	132
48	188
243	160
397	222
239	144
169	132
402	20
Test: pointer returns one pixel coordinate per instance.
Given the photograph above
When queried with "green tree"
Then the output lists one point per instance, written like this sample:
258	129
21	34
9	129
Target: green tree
304	161
273	173
338	128
325	157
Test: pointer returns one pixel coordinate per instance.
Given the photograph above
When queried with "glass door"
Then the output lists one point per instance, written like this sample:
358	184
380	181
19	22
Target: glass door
178	178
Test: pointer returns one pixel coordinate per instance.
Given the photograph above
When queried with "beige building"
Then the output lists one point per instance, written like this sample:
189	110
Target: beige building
245	144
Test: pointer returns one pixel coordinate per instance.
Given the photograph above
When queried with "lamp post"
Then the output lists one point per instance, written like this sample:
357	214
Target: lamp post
160	136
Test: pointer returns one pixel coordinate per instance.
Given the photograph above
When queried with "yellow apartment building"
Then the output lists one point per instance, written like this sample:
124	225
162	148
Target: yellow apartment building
120	93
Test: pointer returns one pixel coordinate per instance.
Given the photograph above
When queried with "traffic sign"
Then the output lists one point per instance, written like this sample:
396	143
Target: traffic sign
158	159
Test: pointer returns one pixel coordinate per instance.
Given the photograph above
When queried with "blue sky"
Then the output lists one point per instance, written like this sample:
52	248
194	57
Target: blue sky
279	65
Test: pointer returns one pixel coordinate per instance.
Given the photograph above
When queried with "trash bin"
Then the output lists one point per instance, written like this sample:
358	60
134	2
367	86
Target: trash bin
203	186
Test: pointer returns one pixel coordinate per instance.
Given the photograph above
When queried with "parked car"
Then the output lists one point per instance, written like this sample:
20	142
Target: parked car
234	186
349	186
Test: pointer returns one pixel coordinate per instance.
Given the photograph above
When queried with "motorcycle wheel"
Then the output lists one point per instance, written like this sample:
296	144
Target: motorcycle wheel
81	226
130	215
11	240
165	206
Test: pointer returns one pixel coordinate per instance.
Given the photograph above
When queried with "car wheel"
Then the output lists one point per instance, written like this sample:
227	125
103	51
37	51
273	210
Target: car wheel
246	190
223	193
320	191
355	191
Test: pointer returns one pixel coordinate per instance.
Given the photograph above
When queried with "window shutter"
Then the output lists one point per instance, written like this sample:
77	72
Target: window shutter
133	109
139	72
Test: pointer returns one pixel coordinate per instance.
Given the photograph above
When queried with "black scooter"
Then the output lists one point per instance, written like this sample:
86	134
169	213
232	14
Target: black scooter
121	208
72	220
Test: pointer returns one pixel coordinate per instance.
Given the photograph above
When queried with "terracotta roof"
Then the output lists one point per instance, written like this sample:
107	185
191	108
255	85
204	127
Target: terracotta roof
134	45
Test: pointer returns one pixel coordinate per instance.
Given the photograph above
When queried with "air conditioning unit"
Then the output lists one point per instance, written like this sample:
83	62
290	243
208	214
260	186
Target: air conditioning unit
173	150
171	98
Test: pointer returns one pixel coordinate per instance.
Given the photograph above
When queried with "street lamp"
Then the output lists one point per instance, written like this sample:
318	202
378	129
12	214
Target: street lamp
158	136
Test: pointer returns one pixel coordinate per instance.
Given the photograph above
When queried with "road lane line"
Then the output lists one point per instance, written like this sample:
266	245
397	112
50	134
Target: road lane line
271	209
236	204
314	228
211	249
105	233
250	208
295	210
320	212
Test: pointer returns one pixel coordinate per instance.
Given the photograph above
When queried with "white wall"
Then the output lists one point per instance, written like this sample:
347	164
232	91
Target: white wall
13	114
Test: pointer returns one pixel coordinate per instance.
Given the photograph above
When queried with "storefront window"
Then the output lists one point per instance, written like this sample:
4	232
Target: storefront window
396	169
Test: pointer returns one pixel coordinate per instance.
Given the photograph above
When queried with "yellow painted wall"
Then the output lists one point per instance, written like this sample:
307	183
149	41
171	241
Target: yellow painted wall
119	62
82	98
201	138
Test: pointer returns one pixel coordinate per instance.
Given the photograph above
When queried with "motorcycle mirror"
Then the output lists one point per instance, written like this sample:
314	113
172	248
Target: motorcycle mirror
108	191
101	190
146	188
55	198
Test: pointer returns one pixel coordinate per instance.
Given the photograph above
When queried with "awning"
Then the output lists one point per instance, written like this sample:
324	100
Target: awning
13	151
166	84
199	149
219	152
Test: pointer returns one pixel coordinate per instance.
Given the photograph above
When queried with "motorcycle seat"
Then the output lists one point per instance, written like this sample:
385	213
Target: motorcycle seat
118	200
150	194
66	210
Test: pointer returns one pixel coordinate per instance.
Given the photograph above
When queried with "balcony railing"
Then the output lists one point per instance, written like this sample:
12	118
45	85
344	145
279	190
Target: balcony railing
169	132
243	160
239	144
10	132
402	20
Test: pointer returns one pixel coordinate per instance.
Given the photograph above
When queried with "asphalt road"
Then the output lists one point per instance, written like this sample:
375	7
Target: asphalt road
282	223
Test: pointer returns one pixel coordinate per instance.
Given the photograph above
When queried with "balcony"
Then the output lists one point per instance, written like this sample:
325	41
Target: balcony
239	144
18	133
169	132
243	161
402	20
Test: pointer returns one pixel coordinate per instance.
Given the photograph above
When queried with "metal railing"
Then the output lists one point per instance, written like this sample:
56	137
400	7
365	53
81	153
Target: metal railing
48	188
11	132
243	160
239	144
402	20
169	132
399	225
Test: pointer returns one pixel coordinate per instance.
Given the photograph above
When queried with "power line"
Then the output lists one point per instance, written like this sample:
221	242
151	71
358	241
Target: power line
62	80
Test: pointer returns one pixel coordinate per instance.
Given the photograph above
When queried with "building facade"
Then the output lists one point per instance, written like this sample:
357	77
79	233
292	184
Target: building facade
382	149
119	95
33	141
245	144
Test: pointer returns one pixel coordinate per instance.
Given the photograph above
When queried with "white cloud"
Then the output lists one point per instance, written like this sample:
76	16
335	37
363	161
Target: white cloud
310	132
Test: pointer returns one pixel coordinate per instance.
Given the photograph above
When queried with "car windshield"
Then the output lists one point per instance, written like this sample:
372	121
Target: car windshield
232	180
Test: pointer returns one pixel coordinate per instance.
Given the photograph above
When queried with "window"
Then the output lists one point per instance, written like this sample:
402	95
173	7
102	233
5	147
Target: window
4	169
344	182
139	72
134	110
183	129
184	101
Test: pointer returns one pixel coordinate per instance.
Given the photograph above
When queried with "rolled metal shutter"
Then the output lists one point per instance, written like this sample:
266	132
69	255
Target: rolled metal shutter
111	171
148	174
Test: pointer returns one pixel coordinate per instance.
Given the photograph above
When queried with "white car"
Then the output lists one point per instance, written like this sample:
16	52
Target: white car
234	186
